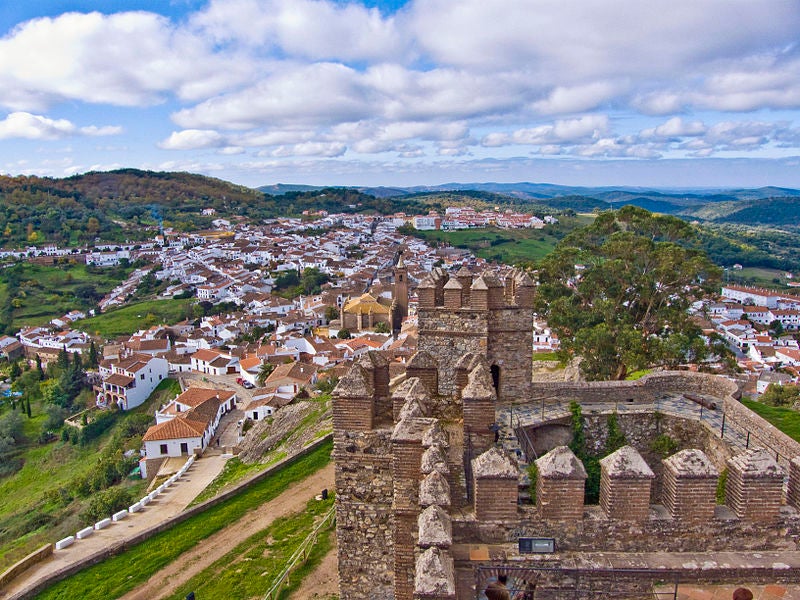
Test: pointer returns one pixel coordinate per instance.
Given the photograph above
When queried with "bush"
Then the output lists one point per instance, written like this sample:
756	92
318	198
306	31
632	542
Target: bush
664	446
98	426
533	476
104	504
55	417
721	484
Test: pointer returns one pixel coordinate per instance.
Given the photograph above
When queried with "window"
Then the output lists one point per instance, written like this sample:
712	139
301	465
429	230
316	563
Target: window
163	448
141	376
184	448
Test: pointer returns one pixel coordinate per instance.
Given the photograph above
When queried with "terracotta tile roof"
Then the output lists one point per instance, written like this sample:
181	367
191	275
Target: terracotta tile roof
205	355
119	379
195	396
179	427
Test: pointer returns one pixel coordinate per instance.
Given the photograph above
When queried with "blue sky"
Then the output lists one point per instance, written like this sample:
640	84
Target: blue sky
663	93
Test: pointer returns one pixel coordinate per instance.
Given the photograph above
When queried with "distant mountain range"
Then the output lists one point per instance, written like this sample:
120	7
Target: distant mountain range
766	205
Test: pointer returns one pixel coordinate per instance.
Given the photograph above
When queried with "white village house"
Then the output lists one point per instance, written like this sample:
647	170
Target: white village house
187	424
128	382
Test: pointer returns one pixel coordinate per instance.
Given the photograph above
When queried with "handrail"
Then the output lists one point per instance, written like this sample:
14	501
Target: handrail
310	540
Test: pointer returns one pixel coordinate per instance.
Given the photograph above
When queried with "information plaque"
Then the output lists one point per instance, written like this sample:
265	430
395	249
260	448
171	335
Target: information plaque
537	545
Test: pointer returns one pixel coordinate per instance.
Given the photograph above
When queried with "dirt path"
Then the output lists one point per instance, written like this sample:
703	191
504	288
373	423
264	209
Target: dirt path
323	582
190	563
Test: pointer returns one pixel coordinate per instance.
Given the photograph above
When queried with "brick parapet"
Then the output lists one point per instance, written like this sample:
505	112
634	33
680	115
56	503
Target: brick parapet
754	486
659	532
690	486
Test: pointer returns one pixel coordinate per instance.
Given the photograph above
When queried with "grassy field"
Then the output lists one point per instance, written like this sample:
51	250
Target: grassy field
30	514
35	294
131	318
249	570
772	278
511	246
123	572
785	419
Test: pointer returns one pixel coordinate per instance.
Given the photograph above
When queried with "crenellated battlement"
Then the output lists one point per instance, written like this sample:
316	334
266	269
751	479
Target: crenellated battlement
422	479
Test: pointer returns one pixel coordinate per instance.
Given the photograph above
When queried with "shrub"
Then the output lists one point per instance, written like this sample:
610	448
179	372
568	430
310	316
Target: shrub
664	445
721	483
104	504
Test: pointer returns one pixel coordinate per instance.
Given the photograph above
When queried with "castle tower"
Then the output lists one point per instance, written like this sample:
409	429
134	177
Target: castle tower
400	305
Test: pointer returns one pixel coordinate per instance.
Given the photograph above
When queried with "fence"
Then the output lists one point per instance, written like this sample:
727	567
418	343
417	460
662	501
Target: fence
300	555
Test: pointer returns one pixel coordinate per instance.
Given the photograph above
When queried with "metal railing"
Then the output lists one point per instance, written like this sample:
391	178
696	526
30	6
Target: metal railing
300	555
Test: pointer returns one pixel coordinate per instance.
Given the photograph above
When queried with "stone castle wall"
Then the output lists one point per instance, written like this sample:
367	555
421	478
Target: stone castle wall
364	517
449	335
425	496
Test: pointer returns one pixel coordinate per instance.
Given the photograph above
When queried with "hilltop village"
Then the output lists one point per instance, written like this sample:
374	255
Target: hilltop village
346	265
349	303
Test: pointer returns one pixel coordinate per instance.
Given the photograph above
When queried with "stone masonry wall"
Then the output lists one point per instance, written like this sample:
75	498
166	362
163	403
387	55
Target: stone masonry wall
364	521
660	533
510	348
448	335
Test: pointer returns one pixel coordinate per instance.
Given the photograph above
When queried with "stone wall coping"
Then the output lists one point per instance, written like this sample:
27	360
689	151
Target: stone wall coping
691	464
479	385
435	436
434	489
434	528
434	573
411	429
494	464
356	383
626	463
433	459
560	463
756	464
421	360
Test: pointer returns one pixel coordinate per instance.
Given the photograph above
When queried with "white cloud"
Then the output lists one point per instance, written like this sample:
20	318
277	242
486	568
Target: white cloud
37	127
579	98
567	131
324	93
675	127
328	150
190	139
126	59
315	30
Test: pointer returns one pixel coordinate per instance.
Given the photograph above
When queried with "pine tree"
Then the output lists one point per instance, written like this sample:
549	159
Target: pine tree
93	362
63	358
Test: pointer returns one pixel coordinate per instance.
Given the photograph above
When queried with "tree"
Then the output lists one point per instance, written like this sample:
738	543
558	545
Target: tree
264	371
344	334
617	293
331	313
382	327
93	359
781	395
776	327
62	361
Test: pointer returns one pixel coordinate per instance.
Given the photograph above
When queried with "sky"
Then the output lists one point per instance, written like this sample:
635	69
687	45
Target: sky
655	93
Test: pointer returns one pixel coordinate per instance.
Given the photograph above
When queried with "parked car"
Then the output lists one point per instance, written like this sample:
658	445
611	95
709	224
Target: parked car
247	385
